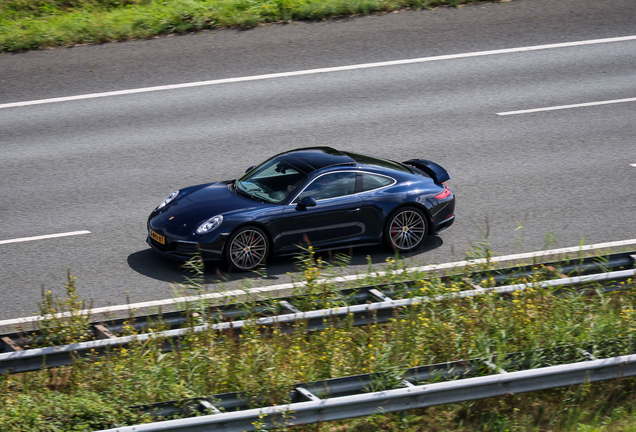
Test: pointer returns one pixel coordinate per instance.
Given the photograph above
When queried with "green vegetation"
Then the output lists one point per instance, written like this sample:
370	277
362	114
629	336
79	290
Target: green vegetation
32	24
94	393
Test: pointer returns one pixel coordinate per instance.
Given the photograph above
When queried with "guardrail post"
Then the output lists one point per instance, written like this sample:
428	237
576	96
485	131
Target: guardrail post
556	272
287	305
471	284
586	354
9	342
102	332
493	366
205	405
379	295
307	394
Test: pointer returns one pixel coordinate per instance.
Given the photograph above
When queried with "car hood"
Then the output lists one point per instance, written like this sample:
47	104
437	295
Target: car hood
202	204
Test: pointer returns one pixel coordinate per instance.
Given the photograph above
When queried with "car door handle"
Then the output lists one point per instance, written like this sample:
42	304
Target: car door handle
353	210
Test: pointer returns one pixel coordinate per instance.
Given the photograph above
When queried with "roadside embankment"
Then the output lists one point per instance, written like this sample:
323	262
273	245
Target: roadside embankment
33	24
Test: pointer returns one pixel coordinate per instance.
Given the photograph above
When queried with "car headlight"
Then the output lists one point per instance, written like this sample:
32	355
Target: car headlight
209	224
168	199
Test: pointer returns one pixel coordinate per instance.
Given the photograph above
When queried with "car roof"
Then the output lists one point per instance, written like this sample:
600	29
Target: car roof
311	159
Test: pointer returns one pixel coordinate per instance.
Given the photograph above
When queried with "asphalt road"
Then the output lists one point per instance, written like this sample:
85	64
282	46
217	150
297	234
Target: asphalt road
101	164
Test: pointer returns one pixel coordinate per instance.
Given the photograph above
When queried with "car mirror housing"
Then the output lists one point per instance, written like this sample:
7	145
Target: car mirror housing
250	169
305	202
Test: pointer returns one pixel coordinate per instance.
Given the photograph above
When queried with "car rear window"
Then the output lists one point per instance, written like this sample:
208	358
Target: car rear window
372	181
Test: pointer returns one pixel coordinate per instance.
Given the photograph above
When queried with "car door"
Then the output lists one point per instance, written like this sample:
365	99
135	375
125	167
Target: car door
331	222
372	187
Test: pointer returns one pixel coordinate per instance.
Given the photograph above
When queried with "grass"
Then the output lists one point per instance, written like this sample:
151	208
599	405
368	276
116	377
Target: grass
33	24
94	393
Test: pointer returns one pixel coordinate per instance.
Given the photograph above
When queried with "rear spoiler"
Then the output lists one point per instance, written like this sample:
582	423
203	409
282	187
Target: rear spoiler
436	172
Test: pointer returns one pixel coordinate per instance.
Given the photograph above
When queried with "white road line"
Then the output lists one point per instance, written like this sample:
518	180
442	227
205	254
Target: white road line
317	71
560	107
43	237
634	165
555	253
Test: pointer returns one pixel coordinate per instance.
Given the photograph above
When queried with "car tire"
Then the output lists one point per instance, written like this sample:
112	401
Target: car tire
247	248
405	229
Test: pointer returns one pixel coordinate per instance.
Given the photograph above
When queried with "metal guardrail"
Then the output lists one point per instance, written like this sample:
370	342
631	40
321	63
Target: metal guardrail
109	328
365	383
577	254
410	397
35	359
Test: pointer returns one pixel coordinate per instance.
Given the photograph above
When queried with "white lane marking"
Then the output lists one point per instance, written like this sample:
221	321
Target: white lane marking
43	237
317	71
273	288
634	165
560	107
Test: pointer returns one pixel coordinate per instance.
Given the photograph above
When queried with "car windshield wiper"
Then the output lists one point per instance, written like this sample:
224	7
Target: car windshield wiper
240	191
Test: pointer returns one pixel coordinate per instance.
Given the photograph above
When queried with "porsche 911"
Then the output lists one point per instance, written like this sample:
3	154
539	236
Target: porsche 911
320	196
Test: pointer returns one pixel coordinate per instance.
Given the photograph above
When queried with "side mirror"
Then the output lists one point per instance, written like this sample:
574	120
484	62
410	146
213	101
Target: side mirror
250	169
306	202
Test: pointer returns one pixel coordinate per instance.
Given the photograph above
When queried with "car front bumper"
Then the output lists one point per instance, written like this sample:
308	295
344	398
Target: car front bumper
181	248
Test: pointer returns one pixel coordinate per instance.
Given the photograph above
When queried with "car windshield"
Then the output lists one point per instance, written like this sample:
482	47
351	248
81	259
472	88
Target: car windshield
273	181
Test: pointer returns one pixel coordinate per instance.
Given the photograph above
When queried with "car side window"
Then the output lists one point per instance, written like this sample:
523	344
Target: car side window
372	181
331	185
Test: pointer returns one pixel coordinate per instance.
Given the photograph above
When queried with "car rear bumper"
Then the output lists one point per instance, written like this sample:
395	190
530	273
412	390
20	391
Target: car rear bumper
444	215
445	224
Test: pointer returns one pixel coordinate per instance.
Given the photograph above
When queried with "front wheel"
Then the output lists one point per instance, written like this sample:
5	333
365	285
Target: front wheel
406	229
247	248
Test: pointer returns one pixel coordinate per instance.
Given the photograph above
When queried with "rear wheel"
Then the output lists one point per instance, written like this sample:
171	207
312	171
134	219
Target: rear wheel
406	229
247	248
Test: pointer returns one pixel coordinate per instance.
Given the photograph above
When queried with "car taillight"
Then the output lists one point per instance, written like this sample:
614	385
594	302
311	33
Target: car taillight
443	194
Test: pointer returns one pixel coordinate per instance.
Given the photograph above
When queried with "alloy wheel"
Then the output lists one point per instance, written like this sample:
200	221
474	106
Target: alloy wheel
407	230
248	249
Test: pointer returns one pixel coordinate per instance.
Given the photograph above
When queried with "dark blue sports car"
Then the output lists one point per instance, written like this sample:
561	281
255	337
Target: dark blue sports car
331	198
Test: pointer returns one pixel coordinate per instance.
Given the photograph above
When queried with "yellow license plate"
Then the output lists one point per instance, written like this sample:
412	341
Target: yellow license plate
159	238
